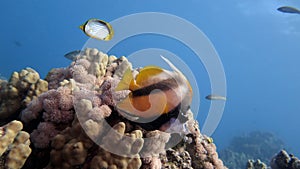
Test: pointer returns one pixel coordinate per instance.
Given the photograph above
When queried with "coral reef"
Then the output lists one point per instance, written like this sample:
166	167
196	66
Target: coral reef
176	159
251	164
18	92
54	110
69	148
133	145
255	145
234	159
14	147
56	76
283	160
73	148
202	150
75	124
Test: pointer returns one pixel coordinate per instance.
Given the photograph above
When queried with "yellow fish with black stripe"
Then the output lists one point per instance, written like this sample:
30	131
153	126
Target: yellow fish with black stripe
154	92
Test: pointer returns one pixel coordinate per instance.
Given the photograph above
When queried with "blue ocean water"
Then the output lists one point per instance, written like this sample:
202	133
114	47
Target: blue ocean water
258	46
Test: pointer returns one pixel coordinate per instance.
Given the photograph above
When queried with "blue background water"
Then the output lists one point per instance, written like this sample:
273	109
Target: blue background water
258	45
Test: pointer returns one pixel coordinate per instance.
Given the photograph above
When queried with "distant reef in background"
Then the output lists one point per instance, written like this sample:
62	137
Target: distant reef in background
258	150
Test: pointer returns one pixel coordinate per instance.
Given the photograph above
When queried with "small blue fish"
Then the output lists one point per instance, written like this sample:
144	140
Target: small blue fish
215	97
289	9
17	43
73	55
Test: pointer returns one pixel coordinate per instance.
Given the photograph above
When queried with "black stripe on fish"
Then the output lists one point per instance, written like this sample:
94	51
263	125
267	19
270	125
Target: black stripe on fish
177	113
163	85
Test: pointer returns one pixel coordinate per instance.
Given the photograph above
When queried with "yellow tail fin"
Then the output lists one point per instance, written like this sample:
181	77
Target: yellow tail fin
127	82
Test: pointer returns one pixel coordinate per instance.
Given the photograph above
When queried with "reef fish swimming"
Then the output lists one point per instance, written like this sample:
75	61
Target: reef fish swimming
289	9
215	97
97	29
73	55
153	92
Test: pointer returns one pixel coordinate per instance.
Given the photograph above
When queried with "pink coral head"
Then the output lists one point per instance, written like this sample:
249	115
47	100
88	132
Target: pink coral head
42	136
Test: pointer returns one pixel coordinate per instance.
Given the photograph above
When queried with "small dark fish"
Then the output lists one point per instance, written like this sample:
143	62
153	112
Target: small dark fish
215	97
73	55
289	9
17	43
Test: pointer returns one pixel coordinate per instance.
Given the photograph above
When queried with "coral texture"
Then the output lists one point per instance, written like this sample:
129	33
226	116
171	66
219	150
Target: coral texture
201	149
131	148
22	87
251	164
54	110
73	148
177	159
14	145
283	160
69	148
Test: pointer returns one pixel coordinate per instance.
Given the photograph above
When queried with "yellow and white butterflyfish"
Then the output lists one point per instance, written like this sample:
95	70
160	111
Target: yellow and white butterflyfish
97	29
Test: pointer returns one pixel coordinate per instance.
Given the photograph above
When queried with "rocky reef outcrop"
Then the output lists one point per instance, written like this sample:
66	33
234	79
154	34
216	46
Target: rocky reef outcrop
18	92
283	160
14	145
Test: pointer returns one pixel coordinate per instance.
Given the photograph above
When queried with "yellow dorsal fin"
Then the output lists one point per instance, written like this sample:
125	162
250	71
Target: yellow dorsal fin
127	82
146	73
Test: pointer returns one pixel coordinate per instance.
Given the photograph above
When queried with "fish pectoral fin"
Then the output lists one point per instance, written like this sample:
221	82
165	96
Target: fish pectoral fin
159	103
127	82
129	116
124	107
